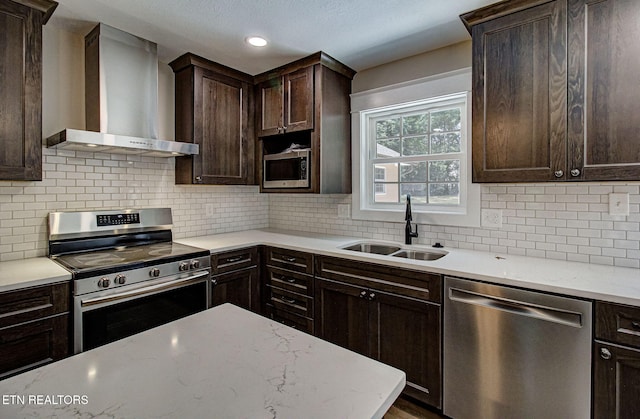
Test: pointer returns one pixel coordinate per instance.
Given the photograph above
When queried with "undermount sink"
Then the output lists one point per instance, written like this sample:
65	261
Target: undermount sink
379	249
418	255
396	251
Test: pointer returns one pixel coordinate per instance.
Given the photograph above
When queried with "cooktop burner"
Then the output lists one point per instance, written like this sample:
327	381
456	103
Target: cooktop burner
123	258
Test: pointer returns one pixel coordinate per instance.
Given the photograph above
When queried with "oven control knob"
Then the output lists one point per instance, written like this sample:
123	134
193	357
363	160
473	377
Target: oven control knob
195	264
104	282
155	272
120	279
184	266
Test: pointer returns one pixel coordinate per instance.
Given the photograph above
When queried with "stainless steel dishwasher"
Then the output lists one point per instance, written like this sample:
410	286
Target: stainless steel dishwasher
510	353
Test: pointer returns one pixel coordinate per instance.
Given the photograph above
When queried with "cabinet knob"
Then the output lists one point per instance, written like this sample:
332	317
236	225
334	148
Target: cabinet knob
558	173
199	179
575	172
605	353
363	294
372	296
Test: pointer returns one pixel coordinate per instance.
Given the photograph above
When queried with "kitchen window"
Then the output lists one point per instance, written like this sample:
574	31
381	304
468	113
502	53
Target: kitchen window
414	138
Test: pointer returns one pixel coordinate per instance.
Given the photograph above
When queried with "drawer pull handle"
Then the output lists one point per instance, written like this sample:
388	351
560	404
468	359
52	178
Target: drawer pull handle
235	259
605	353
289	280
635	325
288	259
287	300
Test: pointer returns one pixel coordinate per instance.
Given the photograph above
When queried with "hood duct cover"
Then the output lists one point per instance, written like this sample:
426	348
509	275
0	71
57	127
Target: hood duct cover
121	99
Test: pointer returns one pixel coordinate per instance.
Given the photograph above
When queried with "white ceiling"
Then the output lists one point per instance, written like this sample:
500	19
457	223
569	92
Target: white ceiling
359	33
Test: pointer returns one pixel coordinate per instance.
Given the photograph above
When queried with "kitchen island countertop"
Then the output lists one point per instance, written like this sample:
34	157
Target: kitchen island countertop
224	362
599	282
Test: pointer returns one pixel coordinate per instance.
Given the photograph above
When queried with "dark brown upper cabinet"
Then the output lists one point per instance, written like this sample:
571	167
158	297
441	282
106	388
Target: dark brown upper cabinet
551	90
307	102
214	108
21	86
285	103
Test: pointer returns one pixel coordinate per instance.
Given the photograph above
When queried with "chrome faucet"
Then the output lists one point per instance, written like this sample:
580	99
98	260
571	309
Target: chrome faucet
408	233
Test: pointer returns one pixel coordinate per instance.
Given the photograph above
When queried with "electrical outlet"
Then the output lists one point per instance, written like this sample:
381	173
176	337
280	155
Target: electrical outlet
492	218
344	210
619	204
208	210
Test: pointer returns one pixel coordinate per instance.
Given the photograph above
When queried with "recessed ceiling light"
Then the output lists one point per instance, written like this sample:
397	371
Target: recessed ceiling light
256	41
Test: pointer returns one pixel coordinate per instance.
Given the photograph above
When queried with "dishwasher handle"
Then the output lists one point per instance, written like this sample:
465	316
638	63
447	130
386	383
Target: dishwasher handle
550	314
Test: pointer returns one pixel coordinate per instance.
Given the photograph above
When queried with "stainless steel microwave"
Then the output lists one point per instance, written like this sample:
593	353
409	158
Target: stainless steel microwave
286	170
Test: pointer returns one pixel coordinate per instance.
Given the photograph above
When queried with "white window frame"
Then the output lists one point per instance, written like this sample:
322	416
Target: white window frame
452	87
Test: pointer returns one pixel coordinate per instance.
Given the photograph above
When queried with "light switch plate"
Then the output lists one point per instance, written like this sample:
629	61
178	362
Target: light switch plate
344	210
619	203
492	218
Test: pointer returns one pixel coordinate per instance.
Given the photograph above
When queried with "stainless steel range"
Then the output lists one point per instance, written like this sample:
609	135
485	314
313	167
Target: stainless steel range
128	275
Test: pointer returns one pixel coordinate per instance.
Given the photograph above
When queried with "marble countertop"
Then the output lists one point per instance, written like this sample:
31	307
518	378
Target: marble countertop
607	283
224	362
24	273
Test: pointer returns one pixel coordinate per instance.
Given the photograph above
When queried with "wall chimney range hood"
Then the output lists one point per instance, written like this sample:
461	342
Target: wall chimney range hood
121	99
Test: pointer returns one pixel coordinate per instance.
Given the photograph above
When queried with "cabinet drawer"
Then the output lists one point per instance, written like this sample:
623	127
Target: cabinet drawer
290	259
406	282
290	281
233	260
32	344
290	301
618	323
292	320
33	303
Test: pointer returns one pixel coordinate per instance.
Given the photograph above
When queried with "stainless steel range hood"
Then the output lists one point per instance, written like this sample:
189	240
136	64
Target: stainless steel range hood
121	99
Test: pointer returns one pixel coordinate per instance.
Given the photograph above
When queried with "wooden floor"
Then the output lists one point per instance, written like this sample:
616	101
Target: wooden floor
405	408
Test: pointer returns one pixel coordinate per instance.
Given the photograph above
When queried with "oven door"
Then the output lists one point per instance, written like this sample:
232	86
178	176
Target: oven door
107	316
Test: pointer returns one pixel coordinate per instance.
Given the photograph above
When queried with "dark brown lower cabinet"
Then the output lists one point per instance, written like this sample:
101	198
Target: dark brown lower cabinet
616	361
235	278
30	345
239	288
616	386
400	331
34	327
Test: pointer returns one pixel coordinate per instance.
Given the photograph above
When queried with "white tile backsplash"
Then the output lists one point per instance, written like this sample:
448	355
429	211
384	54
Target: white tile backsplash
76	181
558	221
554	221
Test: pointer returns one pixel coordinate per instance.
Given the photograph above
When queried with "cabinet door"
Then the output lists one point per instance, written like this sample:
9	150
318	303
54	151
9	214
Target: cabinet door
604	57
270	107
406	335
29	345
342	315
616	383
221	129
239	288
519	95
298	100
21	97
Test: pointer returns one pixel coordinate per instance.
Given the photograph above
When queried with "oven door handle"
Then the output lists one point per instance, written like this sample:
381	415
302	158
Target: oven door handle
142	291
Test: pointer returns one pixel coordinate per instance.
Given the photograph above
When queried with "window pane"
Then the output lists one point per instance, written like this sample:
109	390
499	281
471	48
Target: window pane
388	192
390	171
388	148
415	124
444	171
415	146
413	172
388	128
445	143
444	193
448	120
418	192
